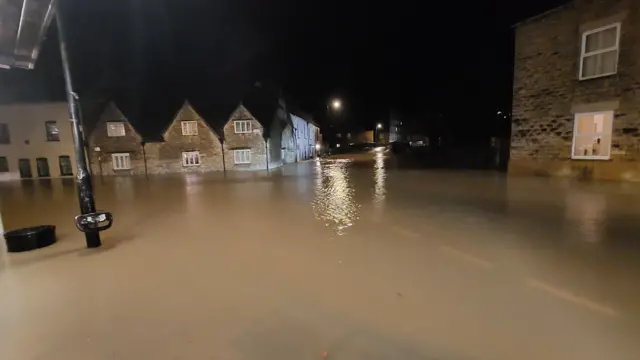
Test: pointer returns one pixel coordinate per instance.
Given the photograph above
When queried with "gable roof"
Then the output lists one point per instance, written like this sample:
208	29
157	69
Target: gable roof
186	113
112	113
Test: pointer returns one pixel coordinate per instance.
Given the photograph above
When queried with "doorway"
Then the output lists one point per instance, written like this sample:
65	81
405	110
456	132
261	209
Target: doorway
25	168
43	167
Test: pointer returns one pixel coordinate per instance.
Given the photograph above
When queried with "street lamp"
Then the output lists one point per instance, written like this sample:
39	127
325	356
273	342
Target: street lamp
379	126
336	104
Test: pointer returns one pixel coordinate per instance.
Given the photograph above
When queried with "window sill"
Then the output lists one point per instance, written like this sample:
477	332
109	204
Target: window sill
597	76
598	158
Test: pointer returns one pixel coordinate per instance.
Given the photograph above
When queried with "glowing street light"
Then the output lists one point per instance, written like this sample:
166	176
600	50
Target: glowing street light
336	104
379	126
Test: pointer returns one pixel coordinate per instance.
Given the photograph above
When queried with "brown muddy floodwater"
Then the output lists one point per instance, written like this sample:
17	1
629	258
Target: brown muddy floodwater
353	256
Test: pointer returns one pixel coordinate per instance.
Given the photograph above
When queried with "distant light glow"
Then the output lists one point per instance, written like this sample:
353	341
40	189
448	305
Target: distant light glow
336	104
379	126
337	145
318	146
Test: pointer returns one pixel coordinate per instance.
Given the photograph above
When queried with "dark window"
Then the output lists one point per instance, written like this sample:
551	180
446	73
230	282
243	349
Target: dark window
53	133
4	134
4	164
65	166
25	168
43	167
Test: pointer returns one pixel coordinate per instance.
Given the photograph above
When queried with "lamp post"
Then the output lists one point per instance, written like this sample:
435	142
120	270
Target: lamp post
24	24
377	132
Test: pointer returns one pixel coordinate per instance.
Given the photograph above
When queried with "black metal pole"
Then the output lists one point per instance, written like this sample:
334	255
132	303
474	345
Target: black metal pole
83	178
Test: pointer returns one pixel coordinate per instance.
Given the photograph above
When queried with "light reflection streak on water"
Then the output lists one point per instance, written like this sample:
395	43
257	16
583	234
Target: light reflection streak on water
334	201
588	211
380	175
379	189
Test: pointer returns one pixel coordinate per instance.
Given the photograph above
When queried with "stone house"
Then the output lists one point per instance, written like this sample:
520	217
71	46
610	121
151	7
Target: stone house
254	133
190	145
115	147
576	104
36	140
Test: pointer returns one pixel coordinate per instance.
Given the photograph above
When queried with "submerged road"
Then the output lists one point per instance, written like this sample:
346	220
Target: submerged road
344	258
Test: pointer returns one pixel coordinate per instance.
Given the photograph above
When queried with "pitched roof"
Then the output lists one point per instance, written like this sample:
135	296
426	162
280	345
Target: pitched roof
187	112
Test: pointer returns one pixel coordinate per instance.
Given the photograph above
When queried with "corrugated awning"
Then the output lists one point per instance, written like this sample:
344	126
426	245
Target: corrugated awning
23	24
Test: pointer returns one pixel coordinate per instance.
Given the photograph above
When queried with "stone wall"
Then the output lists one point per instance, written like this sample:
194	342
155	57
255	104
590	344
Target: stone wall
101	146
166	157
548	92
253	141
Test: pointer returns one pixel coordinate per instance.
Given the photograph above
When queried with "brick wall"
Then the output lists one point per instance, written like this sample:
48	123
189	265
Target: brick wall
253	141
547	91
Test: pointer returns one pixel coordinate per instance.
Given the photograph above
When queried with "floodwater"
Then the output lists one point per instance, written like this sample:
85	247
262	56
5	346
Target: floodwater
348	258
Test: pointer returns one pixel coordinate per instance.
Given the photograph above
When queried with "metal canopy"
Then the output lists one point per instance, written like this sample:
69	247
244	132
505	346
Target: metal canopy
23	25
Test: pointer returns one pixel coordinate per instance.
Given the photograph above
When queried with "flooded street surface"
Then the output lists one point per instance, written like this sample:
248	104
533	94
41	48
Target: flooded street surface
353	256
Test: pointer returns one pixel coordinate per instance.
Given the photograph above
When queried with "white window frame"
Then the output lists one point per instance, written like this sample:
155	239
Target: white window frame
242	126
189	128
583	55
242	156
123	164
193	155
575	132
111	132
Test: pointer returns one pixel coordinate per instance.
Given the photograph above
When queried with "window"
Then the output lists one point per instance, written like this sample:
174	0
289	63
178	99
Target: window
191	158
242	126
4	164
42	165
121	161
599	55
592	135
189	128
53	134
65	165
242	156
4	134
115	129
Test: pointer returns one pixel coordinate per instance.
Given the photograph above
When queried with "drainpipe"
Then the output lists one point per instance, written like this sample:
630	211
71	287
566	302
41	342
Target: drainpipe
266	147
224	162
144	157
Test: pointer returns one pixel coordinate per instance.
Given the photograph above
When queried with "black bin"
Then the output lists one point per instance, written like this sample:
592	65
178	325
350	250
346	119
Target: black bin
30	238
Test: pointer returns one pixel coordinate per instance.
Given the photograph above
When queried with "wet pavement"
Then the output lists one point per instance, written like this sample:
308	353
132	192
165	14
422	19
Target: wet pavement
351	256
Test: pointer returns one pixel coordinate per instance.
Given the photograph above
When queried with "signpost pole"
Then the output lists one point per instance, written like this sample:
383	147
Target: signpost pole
83	177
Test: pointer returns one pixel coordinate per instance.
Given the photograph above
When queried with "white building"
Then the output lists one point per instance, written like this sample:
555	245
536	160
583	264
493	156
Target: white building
35	141
307	136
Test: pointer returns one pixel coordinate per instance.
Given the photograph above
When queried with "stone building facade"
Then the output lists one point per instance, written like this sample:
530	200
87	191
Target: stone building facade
576	104
115	147
245	147
190	145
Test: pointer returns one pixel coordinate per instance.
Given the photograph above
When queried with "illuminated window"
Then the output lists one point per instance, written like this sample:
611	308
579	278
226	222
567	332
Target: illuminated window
599	56
592	136
189	128
242	126
53	133
191	158
115	129
242	156
121	161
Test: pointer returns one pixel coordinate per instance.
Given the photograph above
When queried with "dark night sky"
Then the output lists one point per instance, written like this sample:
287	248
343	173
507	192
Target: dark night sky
416	57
